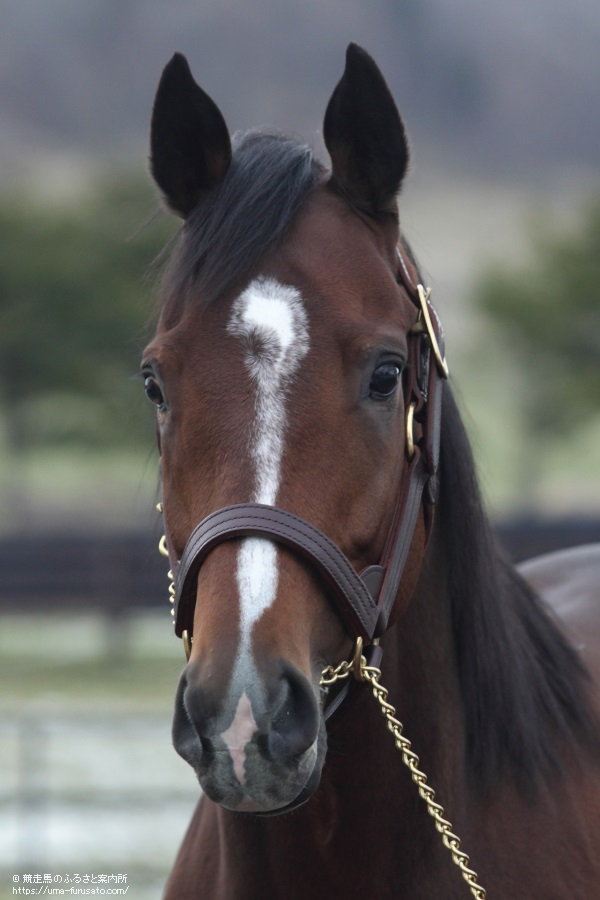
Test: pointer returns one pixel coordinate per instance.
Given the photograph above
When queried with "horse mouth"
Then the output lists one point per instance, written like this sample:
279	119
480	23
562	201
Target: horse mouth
250	807
267	789
248	779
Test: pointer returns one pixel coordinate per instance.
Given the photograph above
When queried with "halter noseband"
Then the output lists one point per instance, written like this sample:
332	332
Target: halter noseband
363	601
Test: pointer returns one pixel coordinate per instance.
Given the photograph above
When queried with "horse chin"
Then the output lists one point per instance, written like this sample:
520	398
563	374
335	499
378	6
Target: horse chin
266	790
303	797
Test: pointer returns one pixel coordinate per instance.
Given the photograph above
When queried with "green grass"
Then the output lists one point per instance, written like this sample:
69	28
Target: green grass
69	488
520	471
73	661
143	683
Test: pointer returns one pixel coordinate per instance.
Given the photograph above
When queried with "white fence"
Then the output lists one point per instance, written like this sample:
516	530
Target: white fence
91	793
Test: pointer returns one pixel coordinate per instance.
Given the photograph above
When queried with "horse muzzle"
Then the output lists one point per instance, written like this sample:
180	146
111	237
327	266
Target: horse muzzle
262	749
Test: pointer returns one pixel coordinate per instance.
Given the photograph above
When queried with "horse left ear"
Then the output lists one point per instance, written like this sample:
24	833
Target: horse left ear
365	136
190	148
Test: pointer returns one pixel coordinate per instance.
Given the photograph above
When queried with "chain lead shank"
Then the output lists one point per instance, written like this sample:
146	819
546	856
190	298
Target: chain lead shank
371	674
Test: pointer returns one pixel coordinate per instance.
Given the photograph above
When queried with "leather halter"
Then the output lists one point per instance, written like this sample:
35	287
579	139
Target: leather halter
363	601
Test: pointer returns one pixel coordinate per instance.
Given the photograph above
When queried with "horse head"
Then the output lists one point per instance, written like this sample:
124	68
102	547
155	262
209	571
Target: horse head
279	372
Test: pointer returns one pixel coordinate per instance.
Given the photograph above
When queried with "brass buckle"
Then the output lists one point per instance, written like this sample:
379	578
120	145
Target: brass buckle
187	643
356	666
164	551
410	435
424	294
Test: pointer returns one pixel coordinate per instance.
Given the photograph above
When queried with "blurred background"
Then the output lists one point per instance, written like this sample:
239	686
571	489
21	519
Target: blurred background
502	208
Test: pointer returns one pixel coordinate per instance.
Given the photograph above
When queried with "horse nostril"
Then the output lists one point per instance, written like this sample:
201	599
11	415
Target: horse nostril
295	717
196	720
185	736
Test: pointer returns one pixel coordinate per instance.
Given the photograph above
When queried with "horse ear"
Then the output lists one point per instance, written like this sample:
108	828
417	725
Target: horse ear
365	136
190	149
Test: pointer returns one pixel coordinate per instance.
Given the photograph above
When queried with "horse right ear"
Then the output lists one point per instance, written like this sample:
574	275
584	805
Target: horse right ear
190	148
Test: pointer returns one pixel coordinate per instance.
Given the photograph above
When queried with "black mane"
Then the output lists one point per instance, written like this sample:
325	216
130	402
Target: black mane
524	687
241	219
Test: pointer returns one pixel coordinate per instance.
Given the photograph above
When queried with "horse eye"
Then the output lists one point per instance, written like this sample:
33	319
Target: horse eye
384	381
153	391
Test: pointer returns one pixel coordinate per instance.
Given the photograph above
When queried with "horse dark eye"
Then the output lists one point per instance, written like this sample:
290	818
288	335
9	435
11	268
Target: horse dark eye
153	391
384	381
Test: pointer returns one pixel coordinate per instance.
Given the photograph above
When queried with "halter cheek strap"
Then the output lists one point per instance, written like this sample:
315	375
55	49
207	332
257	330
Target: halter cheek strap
363	601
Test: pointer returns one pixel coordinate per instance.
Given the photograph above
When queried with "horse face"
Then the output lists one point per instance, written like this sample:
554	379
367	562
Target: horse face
285	391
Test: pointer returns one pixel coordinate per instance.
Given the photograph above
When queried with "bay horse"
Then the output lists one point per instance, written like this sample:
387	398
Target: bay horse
305	420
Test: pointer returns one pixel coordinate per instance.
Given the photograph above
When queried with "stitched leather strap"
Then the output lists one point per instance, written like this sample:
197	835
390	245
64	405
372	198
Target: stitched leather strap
400	539
354	602
364	603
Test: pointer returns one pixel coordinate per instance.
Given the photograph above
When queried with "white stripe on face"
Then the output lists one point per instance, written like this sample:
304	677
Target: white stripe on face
238	735
271	320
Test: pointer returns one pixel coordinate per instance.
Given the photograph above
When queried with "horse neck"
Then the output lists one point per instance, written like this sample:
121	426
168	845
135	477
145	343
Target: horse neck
419	671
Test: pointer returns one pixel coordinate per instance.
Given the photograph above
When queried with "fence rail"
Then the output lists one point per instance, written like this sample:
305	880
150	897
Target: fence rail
91	790
89	781
117	573
47	572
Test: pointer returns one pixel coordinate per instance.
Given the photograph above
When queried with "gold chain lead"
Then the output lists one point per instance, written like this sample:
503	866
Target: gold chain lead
163	550
372	674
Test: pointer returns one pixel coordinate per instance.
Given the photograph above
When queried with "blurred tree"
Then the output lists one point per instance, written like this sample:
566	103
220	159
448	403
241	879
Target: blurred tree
73	308
549	315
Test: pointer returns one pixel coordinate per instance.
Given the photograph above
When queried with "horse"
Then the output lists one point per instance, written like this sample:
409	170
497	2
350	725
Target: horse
327	537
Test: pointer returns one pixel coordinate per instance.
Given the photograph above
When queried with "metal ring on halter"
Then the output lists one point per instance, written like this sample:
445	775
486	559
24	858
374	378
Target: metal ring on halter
410	437
187	643
357	660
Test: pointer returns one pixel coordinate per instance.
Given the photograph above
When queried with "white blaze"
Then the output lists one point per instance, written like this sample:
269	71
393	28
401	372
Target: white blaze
238	734
270	318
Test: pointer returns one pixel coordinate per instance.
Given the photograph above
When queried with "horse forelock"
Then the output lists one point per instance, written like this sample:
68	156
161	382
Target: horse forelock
241	219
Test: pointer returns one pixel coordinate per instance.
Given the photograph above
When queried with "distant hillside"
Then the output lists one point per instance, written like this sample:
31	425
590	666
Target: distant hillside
491	86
